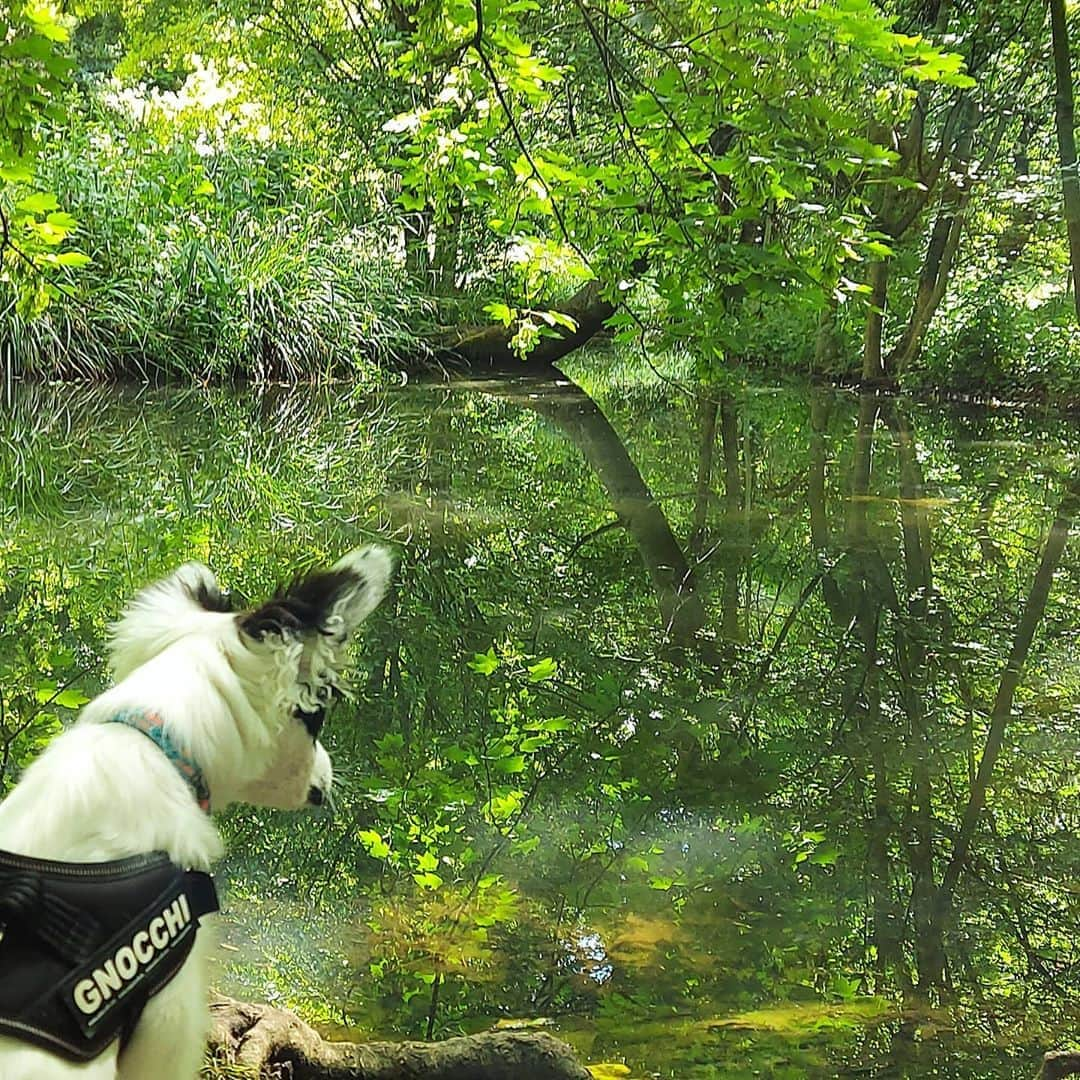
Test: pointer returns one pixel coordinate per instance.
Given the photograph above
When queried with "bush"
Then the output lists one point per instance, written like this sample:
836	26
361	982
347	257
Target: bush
992	343
226	262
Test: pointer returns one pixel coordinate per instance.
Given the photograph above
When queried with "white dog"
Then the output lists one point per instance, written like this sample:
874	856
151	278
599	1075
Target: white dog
210	707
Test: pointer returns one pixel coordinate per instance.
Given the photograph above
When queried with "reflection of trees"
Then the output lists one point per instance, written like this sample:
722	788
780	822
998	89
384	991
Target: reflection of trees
1031	616
576	414
878	641
734	497
858	590
707	410
677	574
924	809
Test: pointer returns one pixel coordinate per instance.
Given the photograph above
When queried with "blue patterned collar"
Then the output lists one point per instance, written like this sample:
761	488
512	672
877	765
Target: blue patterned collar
151	725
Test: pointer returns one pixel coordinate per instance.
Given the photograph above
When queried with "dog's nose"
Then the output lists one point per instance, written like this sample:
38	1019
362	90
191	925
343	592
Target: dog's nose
315	796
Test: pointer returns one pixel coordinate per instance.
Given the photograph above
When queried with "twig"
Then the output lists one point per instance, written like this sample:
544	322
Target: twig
477	44
592	535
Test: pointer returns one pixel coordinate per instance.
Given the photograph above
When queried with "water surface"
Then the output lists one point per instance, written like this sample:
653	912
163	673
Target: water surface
673	734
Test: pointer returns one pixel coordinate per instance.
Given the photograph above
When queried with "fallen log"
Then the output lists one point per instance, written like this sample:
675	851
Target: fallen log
488	347
274	1044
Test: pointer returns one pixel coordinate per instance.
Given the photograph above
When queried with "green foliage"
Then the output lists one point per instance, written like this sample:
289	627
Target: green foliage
994	343
676	156
45	661
1008	327
726	173
676	190
34	69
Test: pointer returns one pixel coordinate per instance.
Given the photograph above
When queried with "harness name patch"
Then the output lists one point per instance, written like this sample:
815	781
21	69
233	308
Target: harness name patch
86	945
107	980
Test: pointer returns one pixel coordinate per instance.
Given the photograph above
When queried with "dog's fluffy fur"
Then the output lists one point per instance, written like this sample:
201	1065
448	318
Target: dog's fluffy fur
245	694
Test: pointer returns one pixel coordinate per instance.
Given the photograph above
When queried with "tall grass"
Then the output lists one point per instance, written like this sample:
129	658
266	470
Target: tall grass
228	263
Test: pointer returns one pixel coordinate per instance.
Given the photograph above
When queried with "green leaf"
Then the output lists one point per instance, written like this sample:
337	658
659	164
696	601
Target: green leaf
501	313
428	880
373	844
501	807
16	173
559	318
457	754
526	845
71	258
556	723
543	670
45	22
40	202
71	699
484	663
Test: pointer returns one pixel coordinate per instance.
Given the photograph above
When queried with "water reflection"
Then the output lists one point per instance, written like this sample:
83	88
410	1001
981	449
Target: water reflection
735	733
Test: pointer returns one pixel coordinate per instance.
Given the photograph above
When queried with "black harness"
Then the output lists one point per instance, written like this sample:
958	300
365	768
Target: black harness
83	946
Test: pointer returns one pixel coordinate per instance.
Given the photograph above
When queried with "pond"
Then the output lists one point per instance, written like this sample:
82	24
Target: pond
725	734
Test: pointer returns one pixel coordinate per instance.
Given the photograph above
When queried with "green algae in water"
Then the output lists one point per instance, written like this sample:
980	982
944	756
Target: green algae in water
813	1041
785	1040
797	1019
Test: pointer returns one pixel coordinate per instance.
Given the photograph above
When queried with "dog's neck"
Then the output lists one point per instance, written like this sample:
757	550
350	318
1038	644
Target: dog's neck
149	723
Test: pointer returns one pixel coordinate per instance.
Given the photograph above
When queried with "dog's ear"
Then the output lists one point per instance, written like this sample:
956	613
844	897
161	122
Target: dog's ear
365	576
330	603
162	613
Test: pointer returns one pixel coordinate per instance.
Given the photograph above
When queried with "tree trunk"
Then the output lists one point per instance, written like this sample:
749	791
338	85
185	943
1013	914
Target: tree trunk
641	515
826	342
819	519
447	239
417	256
944	240
274	1044
703	493
940	251
912	656
873	366
820	533
1066	135
888	921
730	628
899	211
1059	1064
861	466
937	267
